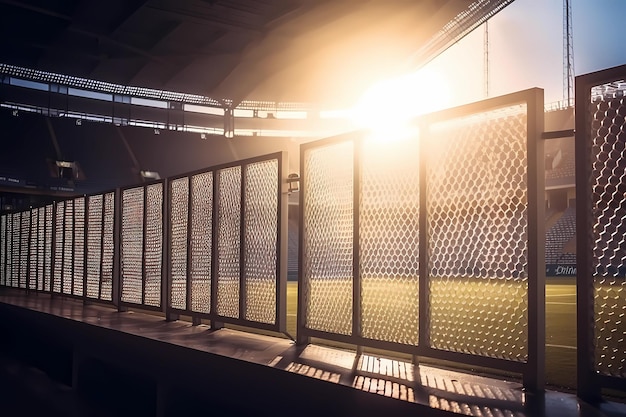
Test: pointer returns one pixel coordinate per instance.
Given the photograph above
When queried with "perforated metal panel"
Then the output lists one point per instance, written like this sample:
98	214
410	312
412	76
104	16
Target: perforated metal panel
229	241
8	268
48	255
328	246
94	245
132	243
154	244
260	251
24	248
201	241
33	249
423	244
68	248
41	247
608	232
106	277
389	240
3	235
59	231
79	247
477	223
179	215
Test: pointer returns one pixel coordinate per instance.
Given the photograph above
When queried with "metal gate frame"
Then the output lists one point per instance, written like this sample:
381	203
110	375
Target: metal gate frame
215	318
532	370
119	248
590	380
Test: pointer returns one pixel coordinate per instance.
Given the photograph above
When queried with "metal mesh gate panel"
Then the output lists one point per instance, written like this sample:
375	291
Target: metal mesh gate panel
78	272
3	236
48	255
24	248
328	202
477	234
225	234
108	221
601	210
33	249
228	241
94	245
201	241
132	243
179	216
389	241
99	250
430	244
261	244
141	248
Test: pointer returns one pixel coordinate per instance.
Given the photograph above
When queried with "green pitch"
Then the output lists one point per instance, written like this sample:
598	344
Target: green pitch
487	306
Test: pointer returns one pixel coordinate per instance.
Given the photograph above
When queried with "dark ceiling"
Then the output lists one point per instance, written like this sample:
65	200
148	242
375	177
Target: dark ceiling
317	51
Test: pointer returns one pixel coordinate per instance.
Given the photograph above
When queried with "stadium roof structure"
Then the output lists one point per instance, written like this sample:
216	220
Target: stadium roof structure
322	51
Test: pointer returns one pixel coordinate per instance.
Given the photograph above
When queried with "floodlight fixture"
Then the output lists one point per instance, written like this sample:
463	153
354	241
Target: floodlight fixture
150	175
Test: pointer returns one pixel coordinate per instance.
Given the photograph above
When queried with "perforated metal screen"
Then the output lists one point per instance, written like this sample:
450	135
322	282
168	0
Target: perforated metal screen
423	244
94	245
225	240
201	241
3	239
48	255
141	247
601	139
99	250
24	248
477	234
261	227
328	246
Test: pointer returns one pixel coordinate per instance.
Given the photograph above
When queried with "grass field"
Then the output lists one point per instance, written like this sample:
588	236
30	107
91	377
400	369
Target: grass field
560	325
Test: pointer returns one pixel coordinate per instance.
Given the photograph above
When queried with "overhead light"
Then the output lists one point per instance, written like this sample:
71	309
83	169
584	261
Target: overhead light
150	175
66	169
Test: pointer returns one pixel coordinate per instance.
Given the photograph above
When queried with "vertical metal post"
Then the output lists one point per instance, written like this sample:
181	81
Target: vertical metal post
534	377
242	243
356	241
587	386
282	244
424	278
214	250
301	339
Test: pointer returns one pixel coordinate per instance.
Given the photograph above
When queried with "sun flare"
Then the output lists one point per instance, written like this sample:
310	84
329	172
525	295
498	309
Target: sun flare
388	107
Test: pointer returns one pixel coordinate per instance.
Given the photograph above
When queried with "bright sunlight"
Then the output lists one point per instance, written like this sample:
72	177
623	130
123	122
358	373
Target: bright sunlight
387	107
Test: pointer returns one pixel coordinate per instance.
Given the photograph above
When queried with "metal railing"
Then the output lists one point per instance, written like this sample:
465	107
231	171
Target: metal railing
403	244
227	234
209	244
